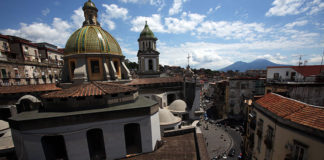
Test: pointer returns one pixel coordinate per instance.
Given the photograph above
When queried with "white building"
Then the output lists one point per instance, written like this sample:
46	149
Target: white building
294	73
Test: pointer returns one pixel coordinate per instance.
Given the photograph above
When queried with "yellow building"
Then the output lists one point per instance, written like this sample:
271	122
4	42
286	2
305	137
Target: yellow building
284	128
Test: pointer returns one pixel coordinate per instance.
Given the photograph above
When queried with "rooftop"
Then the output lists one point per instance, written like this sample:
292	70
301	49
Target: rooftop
293	110
141	106
94	88
182	146
28	88
306	71
141	81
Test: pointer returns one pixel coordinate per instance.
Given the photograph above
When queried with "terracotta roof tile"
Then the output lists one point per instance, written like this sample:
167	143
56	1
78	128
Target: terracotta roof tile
90	89
141	81
304	70
28	88
174	148
293	110
308	70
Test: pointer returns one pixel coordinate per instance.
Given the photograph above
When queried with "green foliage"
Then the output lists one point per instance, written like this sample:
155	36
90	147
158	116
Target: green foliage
131	65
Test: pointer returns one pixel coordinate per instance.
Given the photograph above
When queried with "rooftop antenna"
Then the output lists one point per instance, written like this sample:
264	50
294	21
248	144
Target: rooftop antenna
305	62
300	59
299	62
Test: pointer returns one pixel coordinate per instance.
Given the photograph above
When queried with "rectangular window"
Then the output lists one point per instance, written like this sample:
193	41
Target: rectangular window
54	147
259	133
96	144
17	73
4	73
95	66
276	76
5	46
299	151
287	73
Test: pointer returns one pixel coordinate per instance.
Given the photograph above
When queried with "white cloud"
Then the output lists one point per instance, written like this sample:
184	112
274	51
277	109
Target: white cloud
176	7
154	22
315	59
296	23
157	3
212	9
113	12
187	22
77	17
232	30
45	12
294	7
316	6
56	33
218	55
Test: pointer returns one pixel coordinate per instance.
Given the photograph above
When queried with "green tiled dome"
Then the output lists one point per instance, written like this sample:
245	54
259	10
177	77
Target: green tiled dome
92	39
147	33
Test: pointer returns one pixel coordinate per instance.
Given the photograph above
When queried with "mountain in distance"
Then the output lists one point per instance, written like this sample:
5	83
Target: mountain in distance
256	64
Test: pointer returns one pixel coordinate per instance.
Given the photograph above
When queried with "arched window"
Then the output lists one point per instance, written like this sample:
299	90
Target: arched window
150	64
54	147
133	141
96	144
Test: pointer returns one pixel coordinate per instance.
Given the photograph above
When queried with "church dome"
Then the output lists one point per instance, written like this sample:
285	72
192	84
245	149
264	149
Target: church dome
178	106
146	32
92	39
167	118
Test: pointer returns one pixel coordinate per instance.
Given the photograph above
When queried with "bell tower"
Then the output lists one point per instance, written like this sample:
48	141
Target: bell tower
148	56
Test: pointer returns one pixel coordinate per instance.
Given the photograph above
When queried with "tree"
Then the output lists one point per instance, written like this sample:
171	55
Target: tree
131	65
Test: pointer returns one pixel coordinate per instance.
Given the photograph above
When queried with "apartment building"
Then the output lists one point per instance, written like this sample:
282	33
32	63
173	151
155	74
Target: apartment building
23	62
283	128
238	90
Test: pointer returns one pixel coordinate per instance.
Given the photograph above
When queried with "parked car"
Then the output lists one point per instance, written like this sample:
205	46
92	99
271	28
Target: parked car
231	153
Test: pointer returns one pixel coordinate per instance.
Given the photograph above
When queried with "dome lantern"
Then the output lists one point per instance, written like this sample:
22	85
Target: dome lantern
90	14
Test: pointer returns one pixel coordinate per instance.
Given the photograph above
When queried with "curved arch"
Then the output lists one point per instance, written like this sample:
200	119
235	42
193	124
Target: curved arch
30	98
27	103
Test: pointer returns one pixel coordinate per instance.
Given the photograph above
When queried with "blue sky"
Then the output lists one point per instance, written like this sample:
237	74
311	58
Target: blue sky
215	33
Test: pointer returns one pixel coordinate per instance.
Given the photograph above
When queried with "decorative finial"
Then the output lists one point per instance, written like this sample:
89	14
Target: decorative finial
188	59
145	22
89	0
